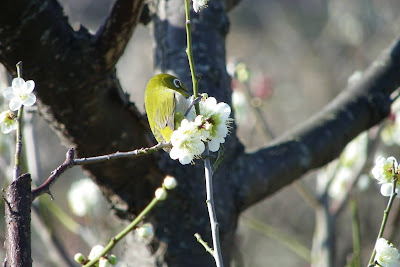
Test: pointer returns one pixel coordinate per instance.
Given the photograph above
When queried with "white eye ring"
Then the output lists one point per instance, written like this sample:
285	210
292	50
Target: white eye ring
177	83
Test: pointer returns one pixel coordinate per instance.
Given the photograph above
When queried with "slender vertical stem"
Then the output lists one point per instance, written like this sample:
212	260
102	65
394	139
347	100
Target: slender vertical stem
211	210
18	144
207	166
385	217
189	52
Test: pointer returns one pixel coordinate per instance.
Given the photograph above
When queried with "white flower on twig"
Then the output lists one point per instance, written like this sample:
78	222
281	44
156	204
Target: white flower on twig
20	93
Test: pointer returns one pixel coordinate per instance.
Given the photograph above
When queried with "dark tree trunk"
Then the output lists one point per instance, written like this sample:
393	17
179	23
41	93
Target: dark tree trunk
18	222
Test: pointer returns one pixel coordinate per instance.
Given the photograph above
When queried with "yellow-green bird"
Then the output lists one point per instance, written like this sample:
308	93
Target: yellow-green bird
166	102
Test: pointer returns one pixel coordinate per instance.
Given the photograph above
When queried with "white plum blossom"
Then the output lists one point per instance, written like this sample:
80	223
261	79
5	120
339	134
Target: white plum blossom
199	4
383	172
217	116
211	126
20	93
391	132
8	121
386	254
83	197
187	142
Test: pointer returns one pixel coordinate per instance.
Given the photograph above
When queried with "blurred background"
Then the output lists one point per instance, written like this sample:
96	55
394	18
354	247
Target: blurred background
289	59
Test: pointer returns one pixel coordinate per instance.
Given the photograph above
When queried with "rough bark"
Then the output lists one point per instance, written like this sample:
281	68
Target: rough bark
18	223
82	100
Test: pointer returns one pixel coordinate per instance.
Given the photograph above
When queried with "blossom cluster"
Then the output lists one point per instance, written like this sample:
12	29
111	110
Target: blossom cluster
19	94
212	126
385	170
199	4
104	261
386	254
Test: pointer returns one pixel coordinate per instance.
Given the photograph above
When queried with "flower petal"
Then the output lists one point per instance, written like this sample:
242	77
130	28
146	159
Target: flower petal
17	82
15	104
185	160
8	93
174	153
213	145
30	100
386	189
29	87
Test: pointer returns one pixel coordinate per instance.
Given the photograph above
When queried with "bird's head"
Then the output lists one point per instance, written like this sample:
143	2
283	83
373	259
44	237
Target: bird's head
174	83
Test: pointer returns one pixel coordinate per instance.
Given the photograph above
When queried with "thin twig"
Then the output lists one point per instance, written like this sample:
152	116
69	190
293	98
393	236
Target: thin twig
211	210
385	214
119	155
124	232
204	243
45	187
70	162
18	144
189	52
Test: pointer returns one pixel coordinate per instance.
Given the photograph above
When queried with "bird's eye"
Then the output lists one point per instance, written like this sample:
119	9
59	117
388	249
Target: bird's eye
177	83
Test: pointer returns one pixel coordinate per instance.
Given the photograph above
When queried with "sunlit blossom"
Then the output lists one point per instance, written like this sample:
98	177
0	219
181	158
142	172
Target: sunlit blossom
187	142
386	254
20	93
217	115
384	171
8	121
199	4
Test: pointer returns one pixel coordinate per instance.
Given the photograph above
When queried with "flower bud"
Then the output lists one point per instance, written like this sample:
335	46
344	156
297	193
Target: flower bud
113	259
96	251
161	193
170	182
79	258
103	262
145	230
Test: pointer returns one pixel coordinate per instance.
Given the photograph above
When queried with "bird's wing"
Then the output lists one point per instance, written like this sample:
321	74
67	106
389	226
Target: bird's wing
164	116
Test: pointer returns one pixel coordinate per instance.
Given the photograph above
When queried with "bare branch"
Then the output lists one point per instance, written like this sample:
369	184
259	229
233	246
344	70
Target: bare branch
45	187
70	162
321	138
114	35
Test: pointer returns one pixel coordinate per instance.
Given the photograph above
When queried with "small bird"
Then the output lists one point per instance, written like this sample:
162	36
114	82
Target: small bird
166	103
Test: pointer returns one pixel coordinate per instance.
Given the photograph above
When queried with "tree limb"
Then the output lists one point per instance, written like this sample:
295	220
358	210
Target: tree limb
321	138
115	33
